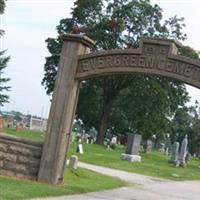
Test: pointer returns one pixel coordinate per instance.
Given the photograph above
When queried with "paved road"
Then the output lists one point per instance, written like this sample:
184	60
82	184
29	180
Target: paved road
143	188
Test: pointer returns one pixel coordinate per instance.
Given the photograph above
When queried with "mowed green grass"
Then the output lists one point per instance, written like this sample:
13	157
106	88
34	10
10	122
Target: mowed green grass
153	164
26	134
75	182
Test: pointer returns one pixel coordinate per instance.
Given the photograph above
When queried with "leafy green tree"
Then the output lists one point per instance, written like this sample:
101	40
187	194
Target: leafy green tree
186	121
118	24
3	63
181	123
194	133
149	110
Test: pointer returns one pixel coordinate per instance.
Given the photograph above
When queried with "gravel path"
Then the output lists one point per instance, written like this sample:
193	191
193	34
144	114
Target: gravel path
143	188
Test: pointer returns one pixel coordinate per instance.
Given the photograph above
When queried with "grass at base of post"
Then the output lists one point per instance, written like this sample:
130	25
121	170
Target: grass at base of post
75	182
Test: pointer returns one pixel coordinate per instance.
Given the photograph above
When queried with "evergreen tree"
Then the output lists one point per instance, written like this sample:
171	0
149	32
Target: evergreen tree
3	63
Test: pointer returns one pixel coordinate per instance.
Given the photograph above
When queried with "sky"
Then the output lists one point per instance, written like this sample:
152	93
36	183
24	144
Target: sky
28	23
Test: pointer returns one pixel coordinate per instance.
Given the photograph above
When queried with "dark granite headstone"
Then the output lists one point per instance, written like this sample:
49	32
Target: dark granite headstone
133	144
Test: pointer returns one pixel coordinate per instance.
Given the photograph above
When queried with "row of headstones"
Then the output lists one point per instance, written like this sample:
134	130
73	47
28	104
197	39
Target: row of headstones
131	154
85	138
133	145
164	149
133	139
132	151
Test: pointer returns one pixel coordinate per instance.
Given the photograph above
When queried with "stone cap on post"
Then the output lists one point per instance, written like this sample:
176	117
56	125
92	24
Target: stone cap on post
79	39
172	43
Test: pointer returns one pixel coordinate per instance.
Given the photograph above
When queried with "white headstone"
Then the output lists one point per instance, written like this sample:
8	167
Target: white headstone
113	140
79	149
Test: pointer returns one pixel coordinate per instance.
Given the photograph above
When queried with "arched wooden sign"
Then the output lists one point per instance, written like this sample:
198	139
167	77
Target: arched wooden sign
154	56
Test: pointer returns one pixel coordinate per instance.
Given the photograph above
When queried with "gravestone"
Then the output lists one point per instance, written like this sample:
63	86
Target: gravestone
113	140
183	152
149	146
18	127
174	154
73	162
167	151
79	149
78	137
132	148
133	144
90	140
86	136
162	148
187	158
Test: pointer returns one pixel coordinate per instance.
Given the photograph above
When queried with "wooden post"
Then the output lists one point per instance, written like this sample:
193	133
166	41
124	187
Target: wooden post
62	110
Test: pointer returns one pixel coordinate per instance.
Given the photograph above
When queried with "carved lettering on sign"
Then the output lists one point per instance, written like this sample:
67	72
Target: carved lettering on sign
139	61
151	58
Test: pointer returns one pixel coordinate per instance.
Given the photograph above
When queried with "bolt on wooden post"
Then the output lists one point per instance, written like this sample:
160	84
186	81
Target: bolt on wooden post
62	110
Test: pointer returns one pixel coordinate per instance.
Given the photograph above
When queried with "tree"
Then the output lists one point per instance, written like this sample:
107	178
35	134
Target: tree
149	113
2	6
194	134
3	64
116	24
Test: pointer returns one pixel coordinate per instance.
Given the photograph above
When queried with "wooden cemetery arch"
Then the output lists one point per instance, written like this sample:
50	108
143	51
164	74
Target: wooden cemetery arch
154	56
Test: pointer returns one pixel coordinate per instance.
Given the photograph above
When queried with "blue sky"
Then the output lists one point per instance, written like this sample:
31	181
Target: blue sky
29	22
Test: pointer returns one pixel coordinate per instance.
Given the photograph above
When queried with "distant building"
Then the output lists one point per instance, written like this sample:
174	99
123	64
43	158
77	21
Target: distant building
34	123
8	119
26	121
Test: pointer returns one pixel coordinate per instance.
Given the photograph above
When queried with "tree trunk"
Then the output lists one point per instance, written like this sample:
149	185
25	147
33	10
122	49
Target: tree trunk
108	99
104	123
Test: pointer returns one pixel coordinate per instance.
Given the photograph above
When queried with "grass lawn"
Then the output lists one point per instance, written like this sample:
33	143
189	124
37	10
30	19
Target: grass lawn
153	164
27	134
76	181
